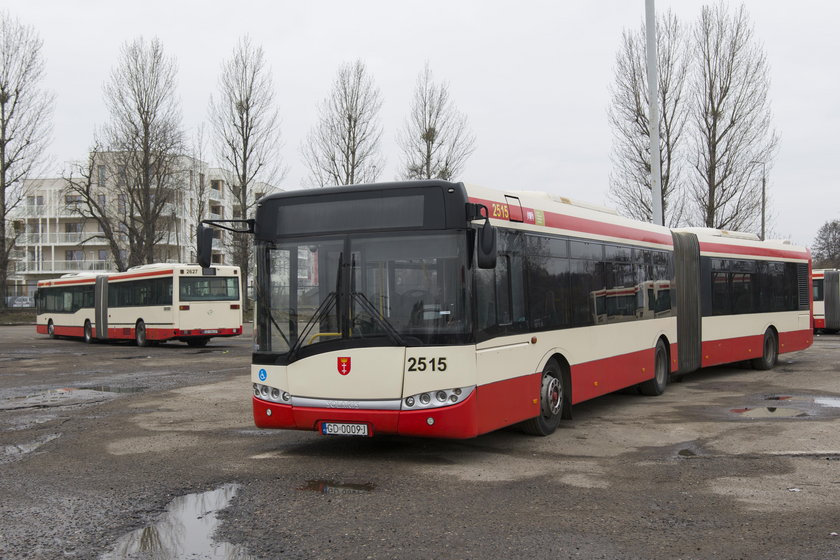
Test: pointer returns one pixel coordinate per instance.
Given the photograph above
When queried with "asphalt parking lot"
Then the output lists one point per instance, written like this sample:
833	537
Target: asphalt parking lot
113	451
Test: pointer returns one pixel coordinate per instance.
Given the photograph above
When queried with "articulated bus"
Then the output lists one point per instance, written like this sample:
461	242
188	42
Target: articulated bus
826	286
441	309
147	304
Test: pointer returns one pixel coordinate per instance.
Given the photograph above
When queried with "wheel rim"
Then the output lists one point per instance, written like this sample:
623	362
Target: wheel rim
141	333
88	335
552	396
50	328
661	367
769	350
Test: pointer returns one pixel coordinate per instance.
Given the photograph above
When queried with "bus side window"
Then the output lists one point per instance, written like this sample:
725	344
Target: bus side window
485	298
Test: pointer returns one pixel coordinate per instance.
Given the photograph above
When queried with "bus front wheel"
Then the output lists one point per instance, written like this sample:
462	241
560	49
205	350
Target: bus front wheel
88	333
769	352
51	329
140	334
554	402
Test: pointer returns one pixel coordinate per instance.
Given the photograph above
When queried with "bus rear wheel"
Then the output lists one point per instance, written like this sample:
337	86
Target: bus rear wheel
554	402
140	334
198	342
657	385
769	352
51	329
88	333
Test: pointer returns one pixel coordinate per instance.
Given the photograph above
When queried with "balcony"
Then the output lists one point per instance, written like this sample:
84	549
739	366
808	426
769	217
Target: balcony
89	237
61	267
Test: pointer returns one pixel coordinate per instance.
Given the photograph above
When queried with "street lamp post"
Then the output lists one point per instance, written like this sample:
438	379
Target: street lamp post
763	192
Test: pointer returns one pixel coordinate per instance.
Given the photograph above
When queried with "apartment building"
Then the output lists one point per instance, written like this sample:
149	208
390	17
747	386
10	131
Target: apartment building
54	238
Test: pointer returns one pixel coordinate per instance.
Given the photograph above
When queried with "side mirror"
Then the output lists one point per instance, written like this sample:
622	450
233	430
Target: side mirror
486	244
204	250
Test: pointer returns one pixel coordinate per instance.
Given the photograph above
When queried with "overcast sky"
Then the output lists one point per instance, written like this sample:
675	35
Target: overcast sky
532	77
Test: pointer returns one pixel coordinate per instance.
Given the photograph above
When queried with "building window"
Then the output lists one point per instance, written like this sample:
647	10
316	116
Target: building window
101	200
73	227
216	185
101	174
102	255
35	200
74	255
71	199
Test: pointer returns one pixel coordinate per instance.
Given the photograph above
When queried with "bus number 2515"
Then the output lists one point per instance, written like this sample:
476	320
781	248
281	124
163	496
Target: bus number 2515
424	364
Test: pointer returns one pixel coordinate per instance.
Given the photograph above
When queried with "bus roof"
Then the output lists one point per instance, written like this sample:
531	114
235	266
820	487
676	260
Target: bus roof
87	277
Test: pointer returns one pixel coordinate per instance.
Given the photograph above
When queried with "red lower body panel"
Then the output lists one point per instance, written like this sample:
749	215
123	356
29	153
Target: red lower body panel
128	333
819	323
599	377
456	421
727	351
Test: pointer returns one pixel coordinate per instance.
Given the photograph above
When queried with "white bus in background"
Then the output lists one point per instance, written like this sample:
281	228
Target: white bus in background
826	286
147	304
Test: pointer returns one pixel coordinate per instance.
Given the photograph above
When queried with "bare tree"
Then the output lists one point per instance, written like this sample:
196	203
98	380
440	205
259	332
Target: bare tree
92	202
343	148
630	186
732	121
247	133
145	141
198	174
25	123
436	140
826	246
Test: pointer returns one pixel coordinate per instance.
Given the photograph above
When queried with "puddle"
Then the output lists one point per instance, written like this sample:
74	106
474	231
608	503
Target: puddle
16	452
686	453
113	389
769	412
131	357
779	398
330	487
184	531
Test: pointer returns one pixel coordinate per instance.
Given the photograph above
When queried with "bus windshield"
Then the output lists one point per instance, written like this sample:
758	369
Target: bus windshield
324	293
209	288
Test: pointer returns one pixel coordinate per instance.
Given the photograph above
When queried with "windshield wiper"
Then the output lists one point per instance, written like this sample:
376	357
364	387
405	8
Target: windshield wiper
383	322
322	311
277	326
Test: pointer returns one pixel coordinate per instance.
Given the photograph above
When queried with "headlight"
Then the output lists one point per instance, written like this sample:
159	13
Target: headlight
444	397
273	394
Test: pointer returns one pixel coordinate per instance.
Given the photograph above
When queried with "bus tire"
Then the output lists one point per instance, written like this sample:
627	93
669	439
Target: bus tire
51	329
769	351
200	342
88	333
140	333
554	401
656	386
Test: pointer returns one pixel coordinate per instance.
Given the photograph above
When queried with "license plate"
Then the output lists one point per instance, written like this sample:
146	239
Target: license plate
344	429
211	331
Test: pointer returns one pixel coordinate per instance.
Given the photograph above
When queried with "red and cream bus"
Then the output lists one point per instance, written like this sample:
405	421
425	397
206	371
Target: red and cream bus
147	304
445	310
826	286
